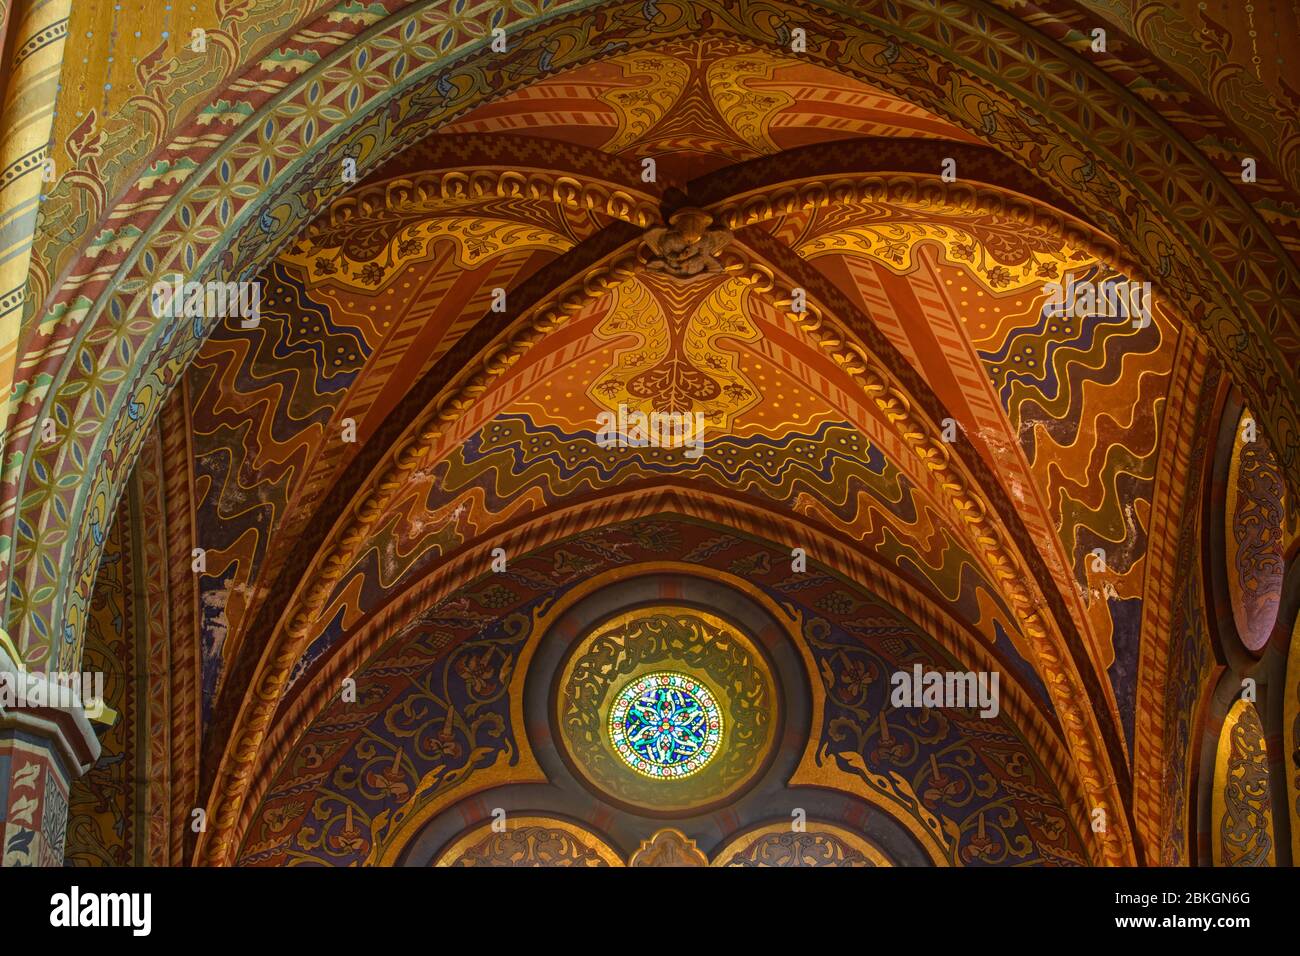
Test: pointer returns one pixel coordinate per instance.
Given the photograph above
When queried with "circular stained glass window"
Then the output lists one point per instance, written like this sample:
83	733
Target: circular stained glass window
665	725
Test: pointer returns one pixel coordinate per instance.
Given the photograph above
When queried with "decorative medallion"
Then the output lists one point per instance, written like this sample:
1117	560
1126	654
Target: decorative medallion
667	709
665	725
687	246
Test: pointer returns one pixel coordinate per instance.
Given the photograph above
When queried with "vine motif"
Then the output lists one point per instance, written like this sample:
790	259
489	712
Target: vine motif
1246	827
809	848
532	846
948	794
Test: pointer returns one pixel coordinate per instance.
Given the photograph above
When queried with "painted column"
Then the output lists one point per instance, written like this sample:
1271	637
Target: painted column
35	31
44	745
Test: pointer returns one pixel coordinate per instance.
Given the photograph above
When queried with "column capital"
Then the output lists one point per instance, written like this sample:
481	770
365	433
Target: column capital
39	705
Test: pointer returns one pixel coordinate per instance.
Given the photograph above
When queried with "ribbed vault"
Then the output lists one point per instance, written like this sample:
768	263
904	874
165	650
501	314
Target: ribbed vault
976	481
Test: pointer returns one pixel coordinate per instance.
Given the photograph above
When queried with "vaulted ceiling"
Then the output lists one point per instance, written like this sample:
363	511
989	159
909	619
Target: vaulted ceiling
1060	420
976	480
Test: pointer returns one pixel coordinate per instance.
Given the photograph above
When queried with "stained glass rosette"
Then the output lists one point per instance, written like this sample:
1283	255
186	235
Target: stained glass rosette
665	725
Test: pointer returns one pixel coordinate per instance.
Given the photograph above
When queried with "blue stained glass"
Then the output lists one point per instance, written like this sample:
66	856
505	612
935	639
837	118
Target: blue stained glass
665	725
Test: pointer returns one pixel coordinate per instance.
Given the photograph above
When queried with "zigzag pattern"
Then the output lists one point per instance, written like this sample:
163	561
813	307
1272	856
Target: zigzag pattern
513	466
1060	381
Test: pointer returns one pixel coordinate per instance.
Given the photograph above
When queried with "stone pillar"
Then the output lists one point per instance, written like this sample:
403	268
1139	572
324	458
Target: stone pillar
46	742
